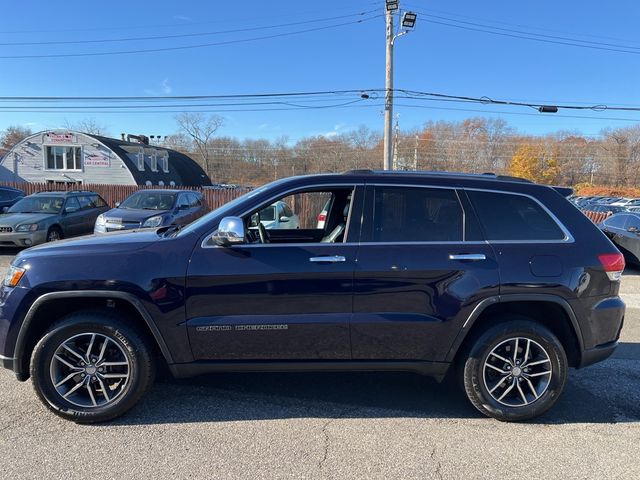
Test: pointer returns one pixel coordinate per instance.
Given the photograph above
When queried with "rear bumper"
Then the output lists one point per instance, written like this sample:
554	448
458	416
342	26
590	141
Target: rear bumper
597	354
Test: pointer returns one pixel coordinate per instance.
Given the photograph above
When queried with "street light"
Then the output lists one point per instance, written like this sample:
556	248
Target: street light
408	22
409	19
392	5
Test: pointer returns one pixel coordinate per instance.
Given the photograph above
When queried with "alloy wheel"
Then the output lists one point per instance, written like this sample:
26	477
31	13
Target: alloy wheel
90	370
517	372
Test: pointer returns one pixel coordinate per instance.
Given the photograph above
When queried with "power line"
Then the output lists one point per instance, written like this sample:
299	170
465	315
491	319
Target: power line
171	25
185	35
188	47
534	37
586	35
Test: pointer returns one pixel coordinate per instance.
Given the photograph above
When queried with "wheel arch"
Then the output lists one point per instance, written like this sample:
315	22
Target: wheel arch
84	299
537	307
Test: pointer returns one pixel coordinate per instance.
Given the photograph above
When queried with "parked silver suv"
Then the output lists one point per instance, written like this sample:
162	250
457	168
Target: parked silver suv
48	216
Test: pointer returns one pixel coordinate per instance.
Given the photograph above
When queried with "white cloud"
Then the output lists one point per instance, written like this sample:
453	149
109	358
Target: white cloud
164	89
184	18
337	129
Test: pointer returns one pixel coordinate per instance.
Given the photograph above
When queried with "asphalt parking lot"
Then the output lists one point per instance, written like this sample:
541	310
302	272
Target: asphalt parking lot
336	426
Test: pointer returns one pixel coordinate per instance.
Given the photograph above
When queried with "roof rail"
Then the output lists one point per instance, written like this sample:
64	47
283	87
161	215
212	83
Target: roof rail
492	175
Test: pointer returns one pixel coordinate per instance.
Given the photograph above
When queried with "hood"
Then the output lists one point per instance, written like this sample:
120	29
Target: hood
14	219
133	215
114	242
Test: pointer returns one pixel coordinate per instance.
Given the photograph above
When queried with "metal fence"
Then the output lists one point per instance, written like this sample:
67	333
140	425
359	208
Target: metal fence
215	197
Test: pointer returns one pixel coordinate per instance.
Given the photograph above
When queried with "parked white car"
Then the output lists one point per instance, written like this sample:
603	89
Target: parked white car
278	216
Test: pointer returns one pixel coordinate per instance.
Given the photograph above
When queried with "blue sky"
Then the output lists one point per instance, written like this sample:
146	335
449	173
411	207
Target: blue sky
434	58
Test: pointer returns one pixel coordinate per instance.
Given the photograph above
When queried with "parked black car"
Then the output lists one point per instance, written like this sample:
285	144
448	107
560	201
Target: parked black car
152	209
497	281
9	196
624	230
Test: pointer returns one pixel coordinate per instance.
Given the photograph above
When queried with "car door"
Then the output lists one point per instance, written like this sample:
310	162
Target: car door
275	301
422	267
629	236
89	213
72	218
181	215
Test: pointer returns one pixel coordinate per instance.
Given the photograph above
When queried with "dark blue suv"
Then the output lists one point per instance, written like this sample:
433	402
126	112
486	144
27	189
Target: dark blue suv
494	280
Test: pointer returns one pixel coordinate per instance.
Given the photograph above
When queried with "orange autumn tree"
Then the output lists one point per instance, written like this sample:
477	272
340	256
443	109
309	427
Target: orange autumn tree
532	162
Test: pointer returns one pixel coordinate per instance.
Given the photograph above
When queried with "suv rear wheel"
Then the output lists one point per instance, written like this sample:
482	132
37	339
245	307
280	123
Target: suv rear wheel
515	371
91	367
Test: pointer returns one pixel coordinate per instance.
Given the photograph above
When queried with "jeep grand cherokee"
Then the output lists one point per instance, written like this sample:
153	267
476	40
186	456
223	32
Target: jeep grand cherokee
496	280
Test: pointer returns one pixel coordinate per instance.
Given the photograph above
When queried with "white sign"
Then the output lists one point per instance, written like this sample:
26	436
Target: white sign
97	161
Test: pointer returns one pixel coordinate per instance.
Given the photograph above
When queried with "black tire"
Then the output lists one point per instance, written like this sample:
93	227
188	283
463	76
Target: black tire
123	340
53	234
542	390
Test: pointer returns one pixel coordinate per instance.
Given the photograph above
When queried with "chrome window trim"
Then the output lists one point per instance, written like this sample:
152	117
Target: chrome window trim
281	195
568	239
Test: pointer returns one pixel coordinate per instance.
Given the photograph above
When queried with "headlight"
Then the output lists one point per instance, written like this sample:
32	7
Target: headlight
27	227
153	221
100	221
13	276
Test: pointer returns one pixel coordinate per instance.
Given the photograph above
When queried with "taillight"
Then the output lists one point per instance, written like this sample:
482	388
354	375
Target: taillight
613	264
322	217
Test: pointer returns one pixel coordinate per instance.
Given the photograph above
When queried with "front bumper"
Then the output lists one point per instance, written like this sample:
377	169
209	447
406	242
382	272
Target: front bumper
7	362
115	227
23	239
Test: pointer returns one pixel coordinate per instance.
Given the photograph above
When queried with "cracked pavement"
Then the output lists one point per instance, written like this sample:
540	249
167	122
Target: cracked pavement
336	426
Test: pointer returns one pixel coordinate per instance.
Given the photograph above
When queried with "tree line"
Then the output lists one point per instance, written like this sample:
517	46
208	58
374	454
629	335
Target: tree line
473	145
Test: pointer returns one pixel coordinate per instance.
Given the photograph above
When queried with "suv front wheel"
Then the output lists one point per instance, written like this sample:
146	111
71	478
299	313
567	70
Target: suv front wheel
91	367
515	371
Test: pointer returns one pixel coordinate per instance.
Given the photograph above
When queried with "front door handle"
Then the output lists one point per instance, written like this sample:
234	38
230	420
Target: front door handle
468	256
328	259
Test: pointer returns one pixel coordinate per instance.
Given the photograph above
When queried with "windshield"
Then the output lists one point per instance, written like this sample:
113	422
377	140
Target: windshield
149	201
224	209
38	205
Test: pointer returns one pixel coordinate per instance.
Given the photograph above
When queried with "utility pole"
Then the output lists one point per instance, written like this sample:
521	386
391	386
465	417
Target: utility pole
407	23
388	85
395	142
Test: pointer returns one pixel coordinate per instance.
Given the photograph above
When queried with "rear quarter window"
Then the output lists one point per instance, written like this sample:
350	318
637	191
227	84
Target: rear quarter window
513	217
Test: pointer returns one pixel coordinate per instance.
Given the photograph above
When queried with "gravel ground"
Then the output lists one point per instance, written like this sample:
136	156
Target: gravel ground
336	426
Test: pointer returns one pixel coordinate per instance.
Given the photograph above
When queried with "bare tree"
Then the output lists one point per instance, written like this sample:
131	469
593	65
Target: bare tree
200	128
87	125
11	136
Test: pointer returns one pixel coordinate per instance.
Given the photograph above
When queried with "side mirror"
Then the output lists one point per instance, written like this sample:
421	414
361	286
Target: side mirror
633	230
117	204
284	219
230	232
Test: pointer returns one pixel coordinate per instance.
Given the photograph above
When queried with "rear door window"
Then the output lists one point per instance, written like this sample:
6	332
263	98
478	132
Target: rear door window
617	221
510	217
416	214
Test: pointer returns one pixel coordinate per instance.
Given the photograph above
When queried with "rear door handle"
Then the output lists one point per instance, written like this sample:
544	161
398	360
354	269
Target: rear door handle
328	259
468	256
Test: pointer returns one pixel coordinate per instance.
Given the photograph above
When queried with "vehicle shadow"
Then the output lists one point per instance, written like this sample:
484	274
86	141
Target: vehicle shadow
631	270
592	395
